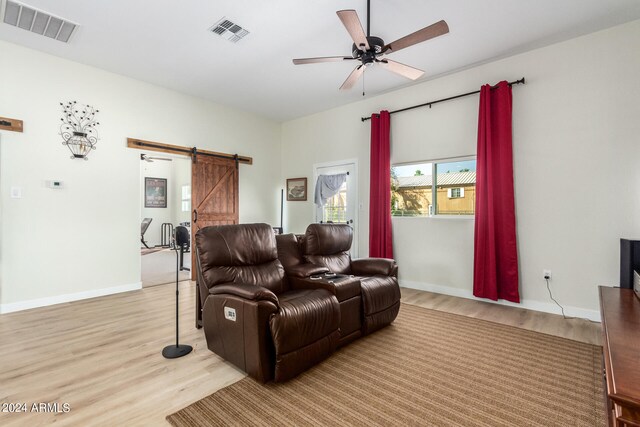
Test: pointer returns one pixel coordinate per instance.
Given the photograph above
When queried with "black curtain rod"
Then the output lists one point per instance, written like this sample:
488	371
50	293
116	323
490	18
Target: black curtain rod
430	103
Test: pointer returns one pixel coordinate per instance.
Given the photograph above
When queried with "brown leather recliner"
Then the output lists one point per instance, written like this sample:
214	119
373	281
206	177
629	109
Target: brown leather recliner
328	245
251	316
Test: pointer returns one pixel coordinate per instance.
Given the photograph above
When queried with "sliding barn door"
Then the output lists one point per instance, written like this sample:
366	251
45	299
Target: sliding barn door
214	196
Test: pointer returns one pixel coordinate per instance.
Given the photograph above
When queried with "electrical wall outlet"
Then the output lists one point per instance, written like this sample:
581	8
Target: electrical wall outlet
546	274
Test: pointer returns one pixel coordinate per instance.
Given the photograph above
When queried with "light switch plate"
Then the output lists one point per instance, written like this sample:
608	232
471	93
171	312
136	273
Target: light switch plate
16	192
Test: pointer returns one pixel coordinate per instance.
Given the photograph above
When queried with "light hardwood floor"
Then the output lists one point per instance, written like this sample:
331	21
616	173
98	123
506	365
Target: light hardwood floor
575	329
103	356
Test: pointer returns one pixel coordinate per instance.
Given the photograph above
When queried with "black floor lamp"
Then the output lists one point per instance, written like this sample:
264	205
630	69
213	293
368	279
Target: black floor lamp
177	350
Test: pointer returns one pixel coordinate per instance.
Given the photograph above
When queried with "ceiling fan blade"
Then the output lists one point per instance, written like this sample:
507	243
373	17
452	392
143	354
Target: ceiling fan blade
434	30
352	23
301	61
353	78
403	70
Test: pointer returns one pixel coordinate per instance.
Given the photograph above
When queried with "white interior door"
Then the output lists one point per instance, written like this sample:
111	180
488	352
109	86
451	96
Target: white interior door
341	208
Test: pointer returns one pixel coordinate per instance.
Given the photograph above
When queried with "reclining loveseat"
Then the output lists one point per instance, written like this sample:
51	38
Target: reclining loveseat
276	309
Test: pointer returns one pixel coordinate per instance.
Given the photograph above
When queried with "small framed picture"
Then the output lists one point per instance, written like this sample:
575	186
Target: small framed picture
155	193
296	190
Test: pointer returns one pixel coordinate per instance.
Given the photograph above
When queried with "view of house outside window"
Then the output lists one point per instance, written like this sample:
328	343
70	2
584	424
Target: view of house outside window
413	192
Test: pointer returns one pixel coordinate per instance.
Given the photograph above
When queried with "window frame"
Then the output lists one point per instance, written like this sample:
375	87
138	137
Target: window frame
455	192
185	197
434	187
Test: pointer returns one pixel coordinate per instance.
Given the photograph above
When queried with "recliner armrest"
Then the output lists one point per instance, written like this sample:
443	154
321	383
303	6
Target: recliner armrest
305	270
245	291
374	266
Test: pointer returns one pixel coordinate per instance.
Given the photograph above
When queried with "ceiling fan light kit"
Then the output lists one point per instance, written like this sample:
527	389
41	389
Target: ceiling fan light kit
370	49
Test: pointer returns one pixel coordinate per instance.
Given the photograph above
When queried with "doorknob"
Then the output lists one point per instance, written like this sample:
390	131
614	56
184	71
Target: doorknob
195	216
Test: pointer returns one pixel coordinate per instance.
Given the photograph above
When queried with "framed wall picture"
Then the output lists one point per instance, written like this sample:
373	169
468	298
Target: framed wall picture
296	189
155	193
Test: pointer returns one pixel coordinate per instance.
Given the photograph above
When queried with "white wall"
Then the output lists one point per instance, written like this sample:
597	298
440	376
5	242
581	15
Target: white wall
83	240
576	151
182	176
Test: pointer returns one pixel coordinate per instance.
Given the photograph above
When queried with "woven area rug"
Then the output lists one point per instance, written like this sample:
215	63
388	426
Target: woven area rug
427	368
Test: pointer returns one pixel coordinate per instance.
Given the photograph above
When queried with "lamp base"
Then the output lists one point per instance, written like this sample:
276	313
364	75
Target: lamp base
175	351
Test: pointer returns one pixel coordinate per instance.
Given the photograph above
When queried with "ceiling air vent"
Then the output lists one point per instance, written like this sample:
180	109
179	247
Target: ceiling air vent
229	30
37	21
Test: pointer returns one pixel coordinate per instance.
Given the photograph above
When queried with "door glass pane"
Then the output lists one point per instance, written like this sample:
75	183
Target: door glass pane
456	188
335	210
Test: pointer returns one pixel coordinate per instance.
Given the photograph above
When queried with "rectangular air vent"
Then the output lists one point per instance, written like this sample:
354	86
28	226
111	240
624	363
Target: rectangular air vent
37	21
229	30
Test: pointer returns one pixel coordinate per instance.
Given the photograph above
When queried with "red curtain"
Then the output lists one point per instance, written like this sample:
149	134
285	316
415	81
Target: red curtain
380	242
495	274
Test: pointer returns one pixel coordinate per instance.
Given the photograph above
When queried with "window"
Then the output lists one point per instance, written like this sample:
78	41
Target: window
455	192
415	192
186	198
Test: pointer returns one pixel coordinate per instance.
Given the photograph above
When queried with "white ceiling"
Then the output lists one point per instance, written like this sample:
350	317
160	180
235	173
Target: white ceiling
167	42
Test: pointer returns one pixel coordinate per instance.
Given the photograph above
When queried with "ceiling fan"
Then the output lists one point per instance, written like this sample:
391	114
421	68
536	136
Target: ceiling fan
370	49
150	159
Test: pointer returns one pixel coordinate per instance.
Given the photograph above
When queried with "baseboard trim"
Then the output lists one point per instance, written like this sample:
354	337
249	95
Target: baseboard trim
60	299
528	304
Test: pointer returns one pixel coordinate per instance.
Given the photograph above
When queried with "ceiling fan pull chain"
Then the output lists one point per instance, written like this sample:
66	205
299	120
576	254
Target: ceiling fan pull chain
363	83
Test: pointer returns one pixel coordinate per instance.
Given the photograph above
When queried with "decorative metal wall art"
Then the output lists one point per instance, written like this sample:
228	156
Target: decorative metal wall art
78	129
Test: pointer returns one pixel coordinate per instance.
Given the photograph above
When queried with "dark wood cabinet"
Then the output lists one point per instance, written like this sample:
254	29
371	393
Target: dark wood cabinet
620	312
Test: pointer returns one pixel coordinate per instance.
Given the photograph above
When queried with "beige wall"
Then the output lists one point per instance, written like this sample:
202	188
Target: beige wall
419	199
414	199
576	131
464	205
84	239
